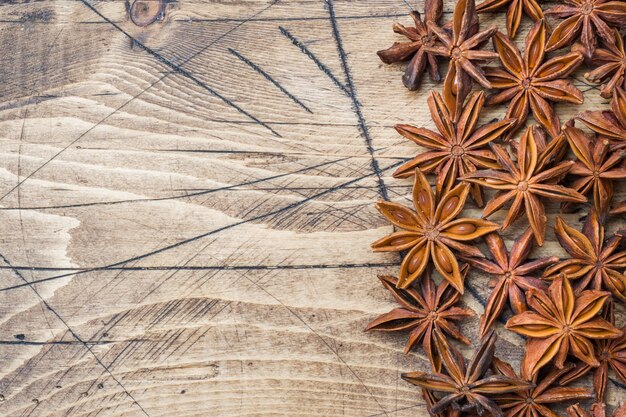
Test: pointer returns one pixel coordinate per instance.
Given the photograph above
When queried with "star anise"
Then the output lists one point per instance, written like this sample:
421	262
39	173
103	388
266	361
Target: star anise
467	389
430	231
587	20
461	48
594	262
458	148
424	312
610	353
609	123
561	323
596	167
413	51
514	12
612	66
513	276
534	402
525	182
529	83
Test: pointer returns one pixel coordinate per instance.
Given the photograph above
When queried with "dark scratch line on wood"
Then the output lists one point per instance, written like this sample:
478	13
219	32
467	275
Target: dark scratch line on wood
74	334
315	59
356	105
269	78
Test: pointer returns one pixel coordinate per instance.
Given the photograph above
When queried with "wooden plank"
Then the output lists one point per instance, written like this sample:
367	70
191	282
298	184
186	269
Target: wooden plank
187	208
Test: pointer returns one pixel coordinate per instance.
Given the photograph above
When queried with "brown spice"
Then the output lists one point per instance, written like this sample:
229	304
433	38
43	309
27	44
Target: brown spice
611	61
514	12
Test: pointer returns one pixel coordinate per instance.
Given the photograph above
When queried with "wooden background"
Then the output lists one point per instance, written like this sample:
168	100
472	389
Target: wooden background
186	208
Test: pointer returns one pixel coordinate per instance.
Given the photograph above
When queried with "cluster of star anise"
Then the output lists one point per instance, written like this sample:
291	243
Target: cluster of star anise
563	307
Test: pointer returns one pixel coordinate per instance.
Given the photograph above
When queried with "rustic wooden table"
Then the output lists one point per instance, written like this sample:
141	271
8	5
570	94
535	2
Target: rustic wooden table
186	208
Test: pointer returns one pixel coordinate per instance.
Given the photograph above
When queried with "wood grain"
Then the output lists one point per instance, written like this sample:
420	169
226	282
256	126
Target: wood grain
186	208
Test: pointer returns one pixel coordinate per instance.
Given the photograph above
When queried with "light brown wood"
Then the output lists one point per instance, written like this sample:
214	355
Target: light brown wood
186	209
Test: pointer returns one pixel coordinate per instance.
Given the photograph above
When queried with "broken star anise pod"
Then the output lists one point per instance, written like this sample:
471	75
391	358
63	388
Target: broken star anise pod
611	354
461	48
529	83
525	182
514	11
458	148
468	388
609	123
595	262
611	61
596	167
424	312
512	275
560	322
413	51
431	231
534	401
587	20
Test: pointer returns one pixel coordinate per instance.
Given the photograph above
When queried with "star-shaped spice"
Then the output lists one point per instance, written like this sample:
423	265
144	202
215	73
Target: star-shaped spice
611	62
587	20
529	83
467	388
595	262
513	276
514	11
534	402
424	312
596	167
431	231
559	323
458	148
461	48
609	123
413	51
525	182
610	353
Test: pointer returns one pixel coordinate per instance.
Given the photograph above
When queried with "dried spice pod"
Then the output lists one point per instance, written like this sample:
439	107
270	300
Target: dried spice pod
431	231
534	401
596	168
529	83
414	51
514	12
424	312
611	66
461	48
459	147
471	388
525	182
595	263
609	123
560	322
512	276
586	20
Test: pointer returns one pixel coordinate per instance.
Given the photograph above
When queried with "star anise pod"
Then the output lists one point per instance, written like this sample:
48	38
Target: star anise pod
559	323
587	20
529	83
596	167
461	48
610	353
513	276
413	51
525	182
467	388
594	262
609	123
430	231
514	11
612	66
424	312
534	401
458	148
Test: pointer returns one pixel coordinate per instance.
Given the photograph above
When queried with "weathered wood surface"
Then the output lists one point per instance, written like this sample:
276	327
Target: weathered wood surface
186	209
